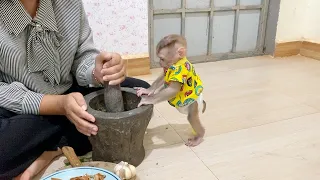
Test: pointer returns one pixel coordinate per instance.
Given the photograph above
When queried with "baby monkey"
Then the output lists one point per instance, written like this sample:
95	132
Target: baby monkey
179	84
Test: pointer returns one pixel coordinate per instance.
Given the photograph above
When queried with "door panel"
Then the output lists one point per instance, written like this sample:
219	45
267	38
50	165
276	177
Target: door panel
165	24
224	3
167	4
250	2
214	29
248	30
223	27
197	25
197	3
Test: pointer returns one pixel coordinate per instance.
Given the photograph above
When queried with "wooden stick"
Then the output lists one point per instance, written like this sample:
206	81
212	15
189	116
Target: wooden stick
71	156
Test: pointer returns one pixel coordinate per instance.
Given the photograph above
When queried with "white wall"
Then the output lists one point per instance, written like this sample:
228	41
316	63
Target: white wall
311	30
299	20
291	19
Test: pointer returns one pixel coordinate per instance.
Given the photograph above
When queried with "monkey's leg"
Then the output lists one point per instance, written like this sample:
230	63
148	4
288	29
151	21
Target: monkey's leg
194	120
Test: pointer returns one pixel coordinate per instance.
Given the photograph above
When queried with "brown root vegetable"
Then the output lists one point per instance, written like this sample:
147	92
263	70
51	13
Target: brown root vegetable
85	177
99	176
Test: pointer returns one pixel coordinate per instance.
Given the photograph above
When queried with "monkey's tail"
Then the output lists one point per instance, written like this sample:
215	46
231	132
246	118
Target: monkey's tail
204	106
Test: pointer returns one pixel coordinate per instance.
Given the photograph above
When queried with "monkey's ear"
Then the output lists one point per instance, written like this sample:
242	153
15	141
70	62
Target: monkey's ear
182	52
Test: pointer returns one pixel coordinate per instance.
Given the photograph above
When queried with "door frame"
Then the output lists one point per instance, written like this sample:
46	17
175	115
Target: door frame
271	29
263	32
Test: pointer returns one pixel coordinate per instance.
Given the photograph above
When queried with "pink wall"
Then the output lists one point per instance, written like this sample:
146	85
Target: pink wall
119	25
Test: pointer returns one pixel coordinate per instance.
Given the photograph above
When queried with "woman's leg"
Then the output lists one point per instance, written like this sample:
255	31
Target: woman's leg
133	82
26	138
23	139
41	162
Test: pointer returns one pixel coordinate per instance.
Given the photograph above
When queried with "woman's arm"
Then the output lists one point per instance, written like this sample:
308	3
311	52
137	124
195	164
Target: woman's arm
88	59
52	105
86	53
17	98
73	106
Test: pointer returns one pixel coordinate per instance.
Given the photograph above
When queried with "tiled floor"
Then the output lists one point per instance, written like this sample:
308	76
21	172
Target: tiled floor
262	122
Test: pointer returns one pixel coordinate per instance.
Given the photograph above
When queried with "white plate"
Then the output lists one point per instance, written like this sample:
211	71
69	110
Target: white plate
67	174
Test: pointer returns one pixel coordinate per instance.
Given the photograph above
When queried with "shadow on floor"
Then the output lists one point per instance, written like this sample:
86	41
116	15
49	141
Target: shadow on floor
169	141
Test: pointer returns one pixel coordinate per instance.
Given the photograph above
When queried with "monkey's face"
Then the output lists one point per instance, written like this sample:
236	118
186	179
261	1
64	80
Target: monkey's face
168	56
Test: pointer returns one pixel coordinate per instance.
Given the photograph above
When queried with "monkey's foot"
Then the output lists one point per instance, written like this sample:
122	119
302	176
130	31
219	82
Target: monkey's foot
194	141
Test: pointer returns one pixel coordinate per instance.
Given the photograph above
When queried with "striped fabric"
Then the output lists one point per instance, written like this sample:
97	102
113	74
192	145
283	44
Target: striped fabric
39	56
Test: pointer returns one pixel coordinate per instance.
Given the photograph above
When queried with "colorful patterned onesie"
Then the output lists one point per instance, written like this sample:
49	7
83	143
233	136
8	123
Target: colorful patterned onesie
191	89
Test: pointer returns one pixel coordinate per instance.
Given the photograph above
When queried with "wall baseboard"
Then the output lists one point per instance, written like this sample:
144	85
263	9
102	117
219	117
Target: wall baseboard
311	50
304	48
140	64
137	64
287	49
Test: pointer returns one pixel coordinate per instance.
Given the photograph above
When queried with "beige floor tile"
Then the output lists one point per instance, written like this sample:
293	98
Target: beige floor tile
273	151
262	105
151	77
250	106
158	123
311	99
247	62
313	102
173	162
168	112
159	133
282	114
167	151
244	96
215	127
202	68
160	139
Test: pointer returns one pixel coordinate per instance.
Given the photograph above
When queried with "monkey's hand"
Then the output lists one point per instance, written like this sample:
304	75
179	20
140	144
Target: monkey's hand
163	95
142	91
145	100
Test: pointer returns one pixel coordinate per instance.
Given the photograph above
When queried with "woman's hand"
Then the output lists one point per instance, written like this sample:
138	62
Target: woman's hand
109	67
74	107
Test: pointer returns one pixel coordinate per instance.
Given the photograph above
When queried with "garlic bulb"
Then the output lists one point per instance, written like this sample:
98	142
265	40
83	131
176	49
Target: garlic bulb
124	170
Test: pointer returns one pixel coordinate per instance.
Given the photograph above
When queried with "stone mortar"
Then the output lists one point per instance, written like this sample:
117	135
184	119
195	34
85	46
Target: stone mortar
120	135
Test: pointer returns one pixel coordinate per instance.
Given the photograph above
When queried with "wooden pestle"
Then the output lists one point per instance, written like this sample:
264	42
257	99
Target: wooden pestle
113	98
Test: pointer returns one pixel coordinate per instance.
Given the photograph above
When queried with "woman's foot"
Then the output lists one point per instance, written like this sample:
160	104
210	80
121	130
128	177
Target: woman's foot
24	176
38	165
